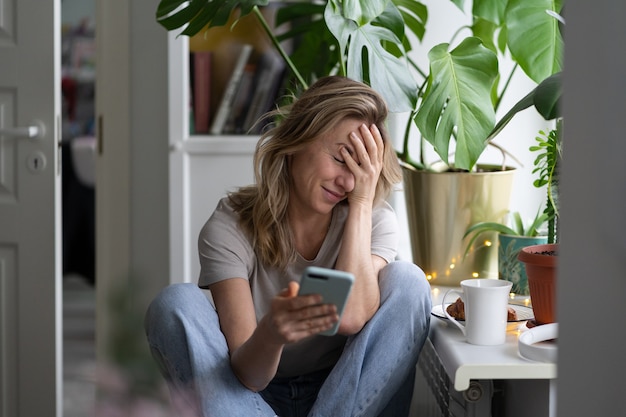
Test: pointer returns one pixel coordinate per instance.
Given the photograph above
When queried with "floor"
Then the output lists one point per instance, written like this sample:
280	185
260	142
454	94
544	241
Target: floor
120	393
79	357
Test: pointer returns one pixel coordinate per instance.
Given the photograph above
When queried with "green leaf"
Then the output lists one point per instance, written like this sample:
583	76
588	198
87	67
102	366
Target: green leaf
314	66
363	11
171	16
501	42
540	220
458	101
460	4
545	97
517	223
485	30
490	10
490	227
300	12
534	38
482	227
308	29
517	228
391	19
198	14
415	16
367	59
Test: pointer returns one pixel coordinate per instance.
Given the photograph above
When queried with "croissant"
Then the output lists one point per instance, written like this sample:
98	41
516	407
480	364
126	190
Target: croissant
457	310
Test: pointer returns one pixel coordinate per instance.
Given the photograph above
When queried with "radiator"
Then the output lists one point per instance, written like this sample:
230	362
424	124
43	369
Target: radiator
435	396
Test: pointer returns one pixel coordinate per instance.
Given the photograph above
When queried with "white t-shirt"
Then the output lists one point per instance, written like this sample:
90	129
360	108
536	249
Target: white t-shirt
226	252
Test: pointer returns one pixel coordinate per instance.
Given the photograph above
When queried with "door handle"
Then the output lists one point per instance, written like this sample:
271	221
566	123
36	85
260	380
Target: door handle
35	130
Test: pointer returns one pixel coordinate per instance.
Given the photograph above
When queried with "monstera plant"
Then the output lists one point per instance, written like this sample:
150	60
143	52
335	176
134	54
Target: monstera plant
453	101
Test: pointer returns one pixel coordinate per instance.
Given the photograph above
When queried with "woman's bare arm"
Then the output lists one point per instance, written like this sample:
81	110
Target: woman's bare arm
355	253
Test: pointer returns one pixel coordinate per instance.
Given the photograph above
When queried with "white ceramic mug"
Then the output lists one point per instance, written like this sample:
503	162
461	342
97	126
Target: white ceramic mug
486	310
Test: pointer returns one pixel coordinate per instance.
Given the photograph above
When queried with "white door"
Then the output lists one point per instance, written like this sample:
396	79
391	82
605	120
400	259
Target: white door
30	273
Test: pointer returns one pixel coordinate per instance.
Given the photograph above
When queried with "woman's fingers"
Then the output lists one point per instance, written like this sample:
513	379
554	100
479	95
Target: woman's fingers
373	141
317	324
369	147
378	142
294	318
365	163
312	321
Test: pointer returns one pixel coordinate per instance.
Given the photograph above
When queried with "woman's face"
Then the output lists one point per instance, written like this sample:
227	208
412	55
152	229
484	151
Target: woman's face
320	178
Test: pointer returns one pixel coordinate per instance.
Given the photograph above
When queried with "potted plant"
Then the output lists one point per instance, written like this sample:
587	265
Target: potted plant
511	239
439	128
547	164
452	104
541	261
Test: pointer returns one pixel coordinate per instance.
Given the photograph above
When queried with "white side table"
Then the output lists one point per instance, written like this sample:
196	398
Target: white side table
471	371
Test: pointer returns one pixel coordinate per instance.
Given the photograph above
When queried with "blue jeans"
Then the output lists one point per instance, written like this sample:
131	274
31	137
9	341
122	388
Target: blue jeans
373	377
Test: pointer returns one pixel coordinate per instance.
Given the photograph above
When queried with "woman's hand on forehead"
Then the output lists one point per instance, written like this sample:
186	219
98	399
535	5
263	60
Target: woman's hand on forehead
366	163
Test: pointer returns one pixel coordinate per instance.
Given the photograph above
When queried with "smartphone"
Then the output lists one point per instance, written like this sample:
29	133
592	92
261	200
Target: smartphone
334	287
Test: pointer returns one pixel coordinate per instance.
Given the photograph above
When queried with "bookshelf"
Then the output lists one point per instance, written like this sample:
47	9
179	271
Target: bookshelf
245	74
203	166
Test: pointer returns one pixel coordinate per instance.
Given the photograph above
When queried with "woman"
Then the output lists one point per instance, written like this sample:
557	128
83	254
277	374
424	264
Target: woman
322	176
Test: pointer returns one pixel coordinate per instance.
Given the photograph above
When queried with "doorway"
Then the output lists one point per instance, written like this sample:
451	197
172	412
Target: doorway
78	196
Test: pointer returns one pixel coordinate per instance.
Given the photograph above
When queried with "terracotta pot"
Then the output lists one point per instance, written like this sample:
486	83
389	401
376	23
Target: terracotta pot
541	271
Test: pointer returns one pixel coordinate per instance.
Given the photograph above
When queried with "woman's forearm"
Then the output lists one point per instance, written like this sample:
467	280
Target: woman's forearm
355	257
256	361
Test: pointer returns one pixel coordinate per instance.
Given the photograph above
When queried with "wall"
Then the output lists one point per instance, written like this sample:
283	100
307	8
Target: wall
591	282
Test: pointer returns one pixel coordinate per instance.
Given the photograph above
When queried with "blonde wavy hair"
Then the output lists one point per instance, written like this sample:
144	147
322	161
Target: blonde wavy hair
262	207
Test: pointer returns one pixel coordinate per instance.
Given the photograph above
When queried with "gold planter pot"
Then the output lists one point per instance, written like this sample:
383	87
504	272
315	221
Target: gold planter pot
440	208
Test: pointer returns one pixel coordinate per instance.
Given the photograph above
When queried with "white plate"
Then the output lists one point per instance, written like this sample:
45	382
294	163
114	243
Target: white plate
539	343
523	313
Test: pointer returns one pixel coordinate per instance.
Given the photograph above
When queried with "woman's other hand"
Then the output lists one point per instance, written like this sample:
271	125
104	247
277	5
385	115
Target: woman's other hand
365	164
292	317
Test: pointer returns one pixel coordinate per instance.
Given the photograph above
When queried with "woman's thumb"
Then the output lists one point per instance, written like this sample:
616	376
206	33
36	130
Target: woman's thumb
291	290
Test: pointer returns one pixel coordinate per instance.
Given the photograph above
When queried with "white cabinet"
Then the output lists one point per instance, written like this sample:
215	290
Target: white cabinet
202	168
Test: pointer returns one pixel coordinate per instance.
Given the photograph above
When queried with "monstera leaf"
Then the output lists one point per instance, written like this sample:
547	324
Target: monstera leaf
545	98
362	41
309	34
534	38
457	101
197	14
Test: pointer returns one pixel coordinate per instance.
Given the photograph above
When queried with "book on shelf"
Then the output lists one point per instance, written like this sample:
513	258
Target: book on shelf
200	76
226	103
236	117
267	82
192	117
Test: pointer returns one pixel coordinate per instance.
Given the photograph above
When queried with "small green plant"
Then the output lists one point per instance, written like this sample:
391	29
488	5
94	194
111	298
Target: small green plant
549	146
516	228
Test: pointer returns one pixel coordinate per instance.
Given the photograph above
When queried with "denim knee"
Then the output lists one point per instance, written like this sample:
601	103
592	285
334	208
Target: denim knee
171	312
406	283
169	304
169	322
